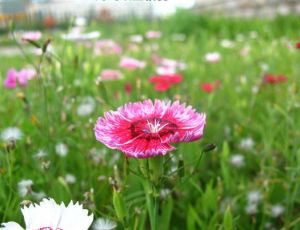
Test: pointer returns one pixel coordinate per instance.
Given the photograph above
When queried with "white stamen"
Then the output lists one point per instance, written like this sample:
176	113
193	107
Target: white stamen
156	127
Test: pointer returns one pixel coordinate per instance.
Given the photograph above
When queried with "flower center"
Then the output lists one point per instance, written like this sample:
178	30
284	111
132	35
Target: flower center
152	128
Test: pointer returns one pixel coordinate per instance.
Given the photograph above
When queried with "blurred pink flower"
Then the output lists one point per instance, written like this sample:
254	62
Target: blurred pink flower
213	57
153	34
245	51
13	77
146	129
108	47
168	66
131	63
32	35
110	74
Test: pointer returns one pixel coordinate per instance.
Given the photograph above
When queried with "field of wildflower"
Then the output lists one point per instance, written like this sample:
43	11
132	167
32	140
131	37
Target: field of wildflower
185	123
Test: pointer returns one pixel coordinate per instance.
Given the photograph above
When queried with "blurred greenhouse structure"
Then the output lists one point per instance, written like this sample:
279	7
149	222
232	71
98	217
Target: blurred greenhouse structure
109	10
246	8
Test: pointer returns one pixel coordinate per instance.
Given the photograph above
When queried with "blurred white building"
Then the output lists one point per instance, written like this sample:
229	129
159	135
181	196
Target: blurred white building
249	8
61	9
64	8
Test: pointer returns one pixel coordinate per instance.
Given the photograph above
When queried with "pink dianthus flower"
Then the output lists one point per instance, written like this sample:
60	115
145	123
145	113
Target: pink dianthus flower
146	129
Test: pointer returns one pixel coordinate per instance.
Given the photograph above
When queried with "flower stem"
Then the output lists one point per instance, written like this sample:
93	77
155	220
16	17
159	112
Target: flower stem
151	202
152	169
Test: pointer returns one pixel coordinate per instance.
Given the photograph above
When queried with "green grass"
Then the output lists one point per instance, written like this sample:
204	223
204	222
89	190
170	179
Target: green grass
216	196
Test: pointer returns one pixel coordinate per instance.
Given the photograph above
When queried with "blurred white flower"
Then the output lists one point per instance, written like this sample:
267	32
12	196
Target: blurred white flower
251	209
163	70
38	195
137	38
225	203
164	193
70	178
213	57
255	89
77	82
104	224
97	155
81	37
50	215
254	197
39	51
253	35
80	21
61	149
24	187
40	154
227	43
247	143
86	107
277	210
11	134
237	160
264	67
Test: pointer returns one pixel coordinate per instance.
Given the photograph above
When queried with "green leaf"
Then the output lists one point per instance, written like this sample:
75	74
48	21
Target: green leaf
166	215
228	220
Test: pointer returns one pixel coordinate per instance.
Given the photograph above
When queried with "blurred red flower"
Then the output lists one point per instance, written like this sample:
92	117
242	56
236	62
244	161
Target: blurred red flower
210	87
128	88
272	79
164	82
298	45
49	22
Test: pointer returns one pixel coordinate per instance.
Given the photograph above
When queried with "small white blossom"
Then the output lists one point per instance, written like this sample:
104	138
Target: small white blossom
24	187
255	89
137	38
227	43
86	107
11	134
80	21
97	155
213	57
104	224
70	178
164	193
61	149
253	35
254	197
277	210
237	160
38	195
264	67
40	154
251	209
247	143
